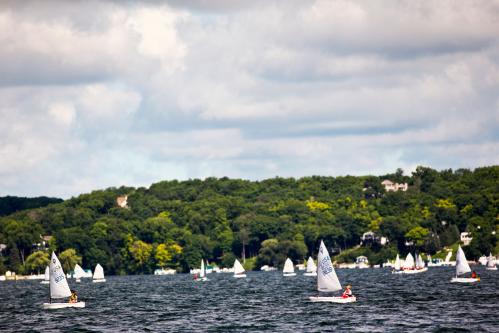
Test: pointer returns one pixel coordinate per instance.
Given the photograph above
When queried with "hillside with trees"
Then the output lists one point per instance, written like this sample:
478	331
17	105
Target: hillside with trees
10	204
176	223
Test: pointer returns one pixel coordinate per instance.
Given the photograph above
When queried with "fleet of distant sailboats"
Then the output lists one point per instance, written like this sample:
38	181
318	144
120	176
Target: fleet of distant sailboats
327	280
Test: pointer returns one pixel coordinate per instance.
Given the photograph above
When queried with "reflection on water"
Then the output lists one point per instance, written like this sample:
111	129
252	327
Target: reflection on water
265	301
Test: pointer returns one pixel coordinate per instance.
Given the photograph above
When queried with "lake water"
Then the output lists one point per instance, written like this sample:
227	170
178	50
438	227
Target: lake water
264	302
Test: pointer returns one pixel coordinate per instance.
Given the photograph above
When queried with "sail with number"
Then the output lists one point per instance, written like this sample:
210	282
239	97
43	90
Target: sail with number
58	284
288	266
327	280
311	268
238	268
409	261
462	265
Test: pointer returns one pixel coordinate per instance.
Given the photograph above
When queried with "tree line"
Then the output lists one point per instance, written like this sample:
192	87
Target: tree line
173	224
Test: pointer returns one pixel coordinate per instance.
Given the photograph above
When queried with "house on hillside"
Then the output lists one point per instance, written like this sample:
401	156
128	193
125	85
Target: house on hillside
122	201
394	187
369	238
466	238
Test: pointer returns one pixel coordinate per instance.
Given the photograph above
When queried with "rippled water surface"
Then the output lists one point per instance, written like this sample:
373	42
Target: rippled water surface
265	301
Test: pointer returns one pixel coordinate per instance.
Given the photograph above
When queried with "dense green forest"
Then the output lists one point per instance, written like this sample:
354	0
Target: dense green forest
176	223
10	204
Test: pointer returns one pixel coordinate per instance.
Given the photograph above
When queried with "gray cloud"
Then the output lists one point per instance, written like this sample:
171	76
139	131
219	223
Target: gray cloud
105	93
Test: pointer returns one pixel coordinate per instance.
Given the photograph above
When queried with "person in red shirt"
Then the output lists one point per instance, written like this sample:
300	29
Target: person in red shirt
348	292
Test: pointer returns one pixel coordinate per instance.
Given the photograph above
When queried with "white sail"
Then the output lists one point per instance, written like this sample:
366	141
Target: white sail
238	268
79	272
326	276
311	268
462	265
447	258
202	273
491	261
58	284
409	261
47	274
288	266
98	272
397	263
419	262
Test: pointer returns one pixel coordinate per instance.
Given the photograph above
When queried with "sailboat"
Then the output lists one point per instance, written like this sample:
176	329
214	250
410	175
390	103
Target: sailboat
46	279
202	273
289	269
79	273
420	265
491	263
98	274
239	271
59	286
462	267
311	268
398	265
327	280
411	267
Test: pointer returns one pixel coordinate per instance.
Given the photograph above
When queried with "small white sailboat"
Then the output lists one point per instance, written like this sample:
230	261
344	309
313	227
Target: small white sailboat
98	274
78	273
462	267
420	265
311	268
59	286
491	263
289	269
202	272
327	280
239	271
46	279
398	265
411	267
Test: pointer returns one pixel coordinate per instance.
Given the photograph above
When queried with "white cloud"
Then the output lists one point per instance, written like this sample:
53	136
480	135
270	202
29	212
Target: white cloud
103	93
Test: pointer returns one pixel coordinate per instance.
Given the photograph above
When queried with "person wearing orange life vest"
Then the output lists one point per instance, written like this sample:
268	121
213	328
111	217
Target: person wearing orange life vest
348	292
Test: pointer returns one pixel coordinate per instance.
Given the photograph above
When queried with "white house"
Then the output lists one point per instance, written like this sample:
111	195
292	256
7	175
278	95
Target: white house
122	201
391	186
466	238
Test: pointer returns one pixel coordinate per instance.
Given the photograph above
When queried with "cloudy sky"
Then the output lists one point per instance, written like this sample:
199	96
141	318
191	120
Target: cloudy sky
107	93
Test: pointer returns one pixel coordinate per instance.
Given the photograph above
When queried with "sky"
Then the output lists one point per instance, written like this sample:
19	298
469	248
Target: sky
95	94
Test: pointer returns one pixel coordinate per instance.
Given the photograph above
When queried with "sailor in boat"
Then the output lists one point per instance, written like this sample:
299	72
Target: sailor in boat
74	297
348	292
474	275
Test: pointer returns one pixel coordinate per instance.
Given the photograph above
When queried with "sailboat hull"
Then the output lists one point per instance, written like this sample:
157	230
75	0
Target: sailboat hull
491	268
204	278
415	271
53	306
99	280
333	299
239	276
464	280
310	274
45	282
289	274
